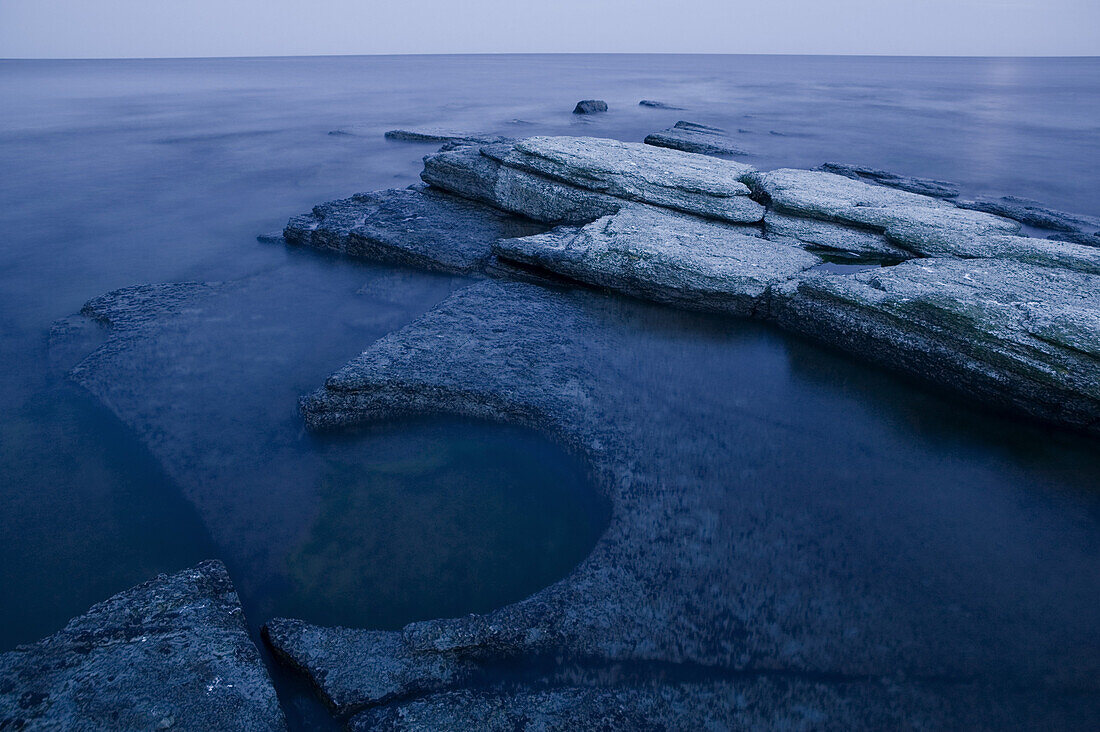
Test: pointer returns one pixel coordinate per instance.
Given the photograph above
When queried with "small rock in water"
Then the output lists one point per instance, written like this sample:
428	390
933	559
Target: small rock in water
924	186
271	237
1032	213
590	106
449	137
695	138
656	105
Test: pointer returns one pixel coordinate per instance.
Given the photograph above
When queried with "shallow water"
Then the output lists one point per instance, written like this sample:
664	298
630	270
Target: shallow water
128	172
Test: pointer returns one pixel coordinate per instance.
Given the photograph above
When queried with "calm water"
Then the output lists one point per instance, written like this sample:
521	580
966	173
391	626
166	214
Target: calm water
125	172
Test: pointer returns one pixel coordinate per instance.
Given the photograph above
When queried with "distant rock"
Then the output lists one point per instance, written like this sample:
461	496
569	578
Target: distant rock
421	228
1016	335
590	106
665	257
1032	213
441	137
656	105
173	653
271	237
695	138
923	186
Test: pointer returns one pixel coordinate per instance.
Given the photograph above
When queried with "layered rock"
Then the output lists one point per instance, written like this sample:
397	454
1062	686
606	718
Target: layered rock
826	236
711	570
923	186
1032	213
173	653
420	228
695	138
665	257
1021	336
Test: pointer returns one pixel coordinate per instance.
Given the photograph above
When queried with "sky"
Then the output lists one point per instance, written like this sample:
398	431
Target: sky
174	28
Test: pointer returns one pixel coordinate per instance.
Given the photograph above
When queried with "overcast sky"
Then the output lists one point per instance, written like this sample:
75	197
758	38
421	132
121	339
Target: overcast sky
145	28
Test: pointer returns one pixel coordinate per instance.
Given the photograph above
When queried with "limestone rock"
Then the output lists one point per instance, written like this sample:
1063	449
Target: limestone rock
1020	336
665	257
695	138
590	106
923	186
173	653
1032	213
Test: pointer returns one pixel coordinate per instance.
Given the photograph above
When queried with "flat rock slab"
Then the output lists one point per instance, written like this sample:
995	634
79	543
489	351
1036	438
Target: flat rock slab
1032	213
1021	336
687	182
923	186
826	236
695	138
172	653
656	104
419	228
441	137
714	566
665	257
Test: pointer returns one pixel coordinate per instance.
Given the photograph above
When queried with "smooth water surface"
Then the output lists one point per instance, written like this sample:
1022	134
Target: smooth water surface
119	173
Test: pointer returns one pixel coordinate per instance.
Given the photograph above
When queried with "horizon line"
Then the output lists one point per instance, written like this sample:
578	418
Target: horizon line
549	53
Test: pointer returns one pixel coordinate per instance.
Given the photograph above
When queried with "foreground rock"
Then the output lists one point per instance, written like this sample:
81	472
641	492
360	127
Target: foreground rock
420	228
1032	213
665	257
923	186
695	138
590	106
172	653
1019	336
578	179
826	236
721	592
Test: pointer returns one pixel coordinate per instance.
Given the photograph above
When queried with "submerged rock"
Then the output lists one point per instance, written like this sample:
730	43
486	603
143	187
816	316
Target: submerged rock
421	228
441	137
770	596
656	105
665	257
695	184
1013	334
1032	213
923	186
695	138
173	653
590	106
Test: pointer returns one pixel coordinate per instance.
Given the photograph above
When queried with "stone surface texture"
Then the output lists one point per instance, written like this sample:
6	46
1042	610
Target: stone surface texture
172	653
695	138
1032	213
923	186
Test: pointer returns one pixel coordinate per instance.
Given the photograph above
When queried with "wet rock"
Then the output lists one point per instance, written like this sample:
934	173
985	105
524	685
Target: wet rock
665	257
1091	240
441	137
1019	336
824	235
1032	213
656	105
172	653
695	184
271	237
471	174
923	186
421	228
590	106
695	138
710	570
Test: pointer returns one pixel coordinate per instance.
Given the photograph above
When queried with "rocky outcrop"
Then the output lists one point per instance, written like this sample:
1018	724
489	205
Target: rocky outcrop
1013	334
1032	213
420	228
590	106
575	177
778	596
665	257
172	653
923	186
695	138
